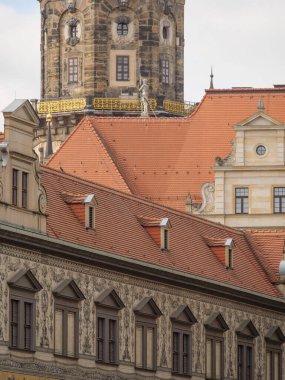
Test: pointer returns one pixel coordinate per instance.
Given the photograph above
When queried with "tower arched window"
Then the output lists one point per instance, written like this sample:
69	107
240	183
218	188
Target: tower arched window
122	29
73	31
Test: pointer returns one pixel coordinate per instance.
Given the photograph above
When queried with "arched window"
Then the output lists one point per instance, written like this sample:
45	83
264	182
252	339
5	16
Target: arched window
122	29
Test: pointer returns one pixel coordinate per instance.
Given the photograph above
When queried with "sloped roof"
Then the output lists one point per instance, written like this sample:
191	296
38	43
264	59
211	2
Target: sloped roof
118	231
163	159
84	154
271	245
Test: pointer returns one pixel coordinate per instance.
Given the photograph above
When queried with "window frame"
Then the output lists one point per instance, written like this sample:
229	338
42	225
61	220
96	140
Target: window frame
22	297
122	29
215	337
165	70
245	344
273	349
25	189
15	186
107	316
244	209
146	323
181	331
122	65
73	70
67	306
279	198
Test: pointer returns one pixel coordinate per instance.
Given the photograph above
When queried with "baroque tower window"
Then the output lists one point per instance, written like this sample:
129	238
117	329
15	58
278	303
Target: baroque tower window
122	29
73	33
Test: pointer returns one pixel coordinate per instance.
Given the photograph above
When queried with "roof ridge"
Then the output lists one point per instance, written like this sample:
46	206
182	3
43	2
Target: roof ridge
142	200
103	145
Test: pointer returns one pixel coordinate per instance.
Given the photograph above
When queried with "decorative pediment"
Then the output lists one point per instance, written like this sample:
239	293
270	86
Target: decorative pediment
247	329
22	109
148	307
25	280
275	335
216	322
68	289
110	299
183	315
260	119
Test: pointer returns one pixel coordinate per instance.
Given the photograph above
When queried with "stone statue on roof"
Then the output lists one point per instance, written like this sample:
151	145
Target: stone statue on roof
144	90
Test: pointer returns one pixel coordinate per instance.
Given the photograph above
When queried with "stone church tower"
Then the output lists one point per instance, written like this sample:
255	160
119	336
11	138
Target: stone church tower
104	48
95	54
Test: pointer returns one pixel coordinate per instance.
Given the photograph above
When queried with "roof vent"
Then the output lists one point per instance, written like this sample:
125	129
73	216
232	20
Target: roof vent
282	270
158	229
223	249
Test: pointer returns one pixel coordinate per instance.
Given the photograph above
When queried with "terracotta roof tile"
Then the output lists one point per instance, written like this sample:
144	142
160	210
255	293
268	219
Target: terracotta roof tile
118	231
163	159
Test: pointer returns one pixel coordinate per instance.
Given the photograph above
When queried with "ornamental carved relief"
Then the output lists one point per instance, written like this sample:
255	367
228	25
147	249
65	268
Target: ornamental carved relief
50	271
73	31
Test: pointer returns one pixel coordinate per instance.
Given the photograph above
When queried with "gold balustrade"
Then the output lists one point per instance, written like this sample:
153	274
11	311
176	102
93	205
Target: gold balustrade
119	104
62	105
178	108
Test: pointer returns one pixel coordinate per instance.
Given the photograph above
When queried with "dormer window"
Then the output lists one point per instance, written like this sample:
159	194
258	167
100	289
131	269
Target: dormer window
164	234
90	203
15	187
229	253
223	249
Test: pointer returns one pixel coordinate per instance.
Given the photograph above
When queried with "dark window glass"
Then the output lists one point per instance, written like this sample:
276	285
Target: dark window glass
181	352
165	71
24	189
73	31
245	362
165	32
21	324
175	354
166	239
122	68
15	187
91	217
107	340
122	29
14	323
241	200
261	150
279	200
73	70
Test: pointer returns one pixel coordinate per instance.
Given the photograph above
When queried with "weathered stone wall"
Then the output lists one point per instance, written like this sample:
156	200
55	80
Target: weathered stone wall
97	43
51	271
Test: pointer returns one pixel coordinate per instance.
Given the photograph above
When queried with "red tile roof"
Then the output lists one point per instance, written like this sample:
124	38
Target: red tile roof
163	159
118	231
271	247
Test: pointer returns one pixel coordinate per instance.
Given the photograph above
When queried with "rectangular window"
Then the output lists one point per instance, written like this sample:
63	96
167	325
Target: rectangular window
145	346
165	71
181	354
24	189
241	200
279	200
15	187
21	324
122	68
245	362
214	358
73	70
65	334
273	364
107	340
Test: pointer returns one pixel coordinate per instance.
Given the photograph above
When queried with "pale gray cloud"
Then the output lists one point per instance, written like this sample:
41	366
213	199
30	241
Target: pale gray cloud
242	39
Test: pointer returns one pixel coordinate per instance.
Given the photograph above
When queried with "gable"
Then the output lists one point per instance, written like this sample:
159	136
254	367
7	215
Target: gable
275	335
216	322
22	109
148	307
259	119
68	289
110	299
183	315
247	329
25	280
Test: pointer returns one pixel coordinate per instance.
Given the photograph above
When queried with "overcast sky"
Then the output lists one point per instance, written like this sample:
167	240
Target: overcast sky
241	39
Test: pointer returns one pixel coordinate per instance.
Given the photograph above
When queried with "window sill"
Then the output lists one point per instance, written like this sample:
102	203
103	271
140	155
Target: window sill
145	369
182	374
66	357
22	350
106	363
